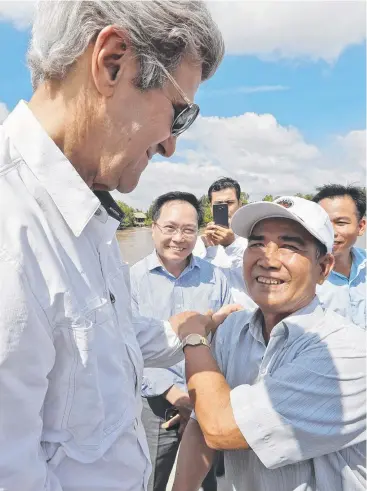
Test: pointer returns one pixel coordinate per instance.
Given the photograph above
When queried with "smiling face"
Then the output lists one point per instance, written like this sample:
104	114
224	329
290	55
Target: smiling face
281	267
347	225
175	232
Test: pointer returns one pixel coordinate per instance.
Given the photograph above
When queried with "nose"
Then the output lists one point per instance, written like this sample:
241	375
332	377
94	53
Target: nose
270	258
178	236
167	147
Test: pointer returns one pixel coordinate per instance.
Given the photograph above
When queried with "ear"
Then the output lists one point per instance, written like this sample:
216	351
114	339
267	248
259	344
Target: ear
111	50
326	265
361	226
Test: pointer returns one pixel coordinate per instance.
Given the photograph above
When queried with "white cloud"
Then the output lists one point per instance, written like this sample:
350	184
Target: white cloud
3	111
267	28
19	13
246	89
290	29
265	157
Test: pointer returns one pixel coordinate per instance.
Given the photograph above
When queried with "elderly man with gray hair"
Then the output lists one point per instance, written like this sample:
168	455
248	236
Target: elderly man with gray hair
114	83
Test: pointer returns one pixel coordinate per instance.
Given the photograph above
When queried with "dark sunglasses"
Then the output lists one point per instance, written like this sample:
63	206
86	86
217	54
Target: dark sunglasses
184	115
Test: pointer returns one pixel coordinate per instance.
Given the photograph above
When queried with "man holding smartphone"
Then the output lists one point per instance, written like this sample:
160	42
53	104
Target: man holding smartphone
218	244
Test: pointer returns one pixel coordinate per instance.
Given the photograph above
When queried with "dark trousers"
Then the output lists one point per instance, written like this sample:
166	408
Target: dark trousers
163	446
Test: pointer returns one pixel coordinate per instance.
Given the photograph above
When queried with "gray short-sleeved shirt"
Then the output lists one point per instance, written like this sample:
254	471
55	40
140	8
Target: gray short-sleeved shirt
299	401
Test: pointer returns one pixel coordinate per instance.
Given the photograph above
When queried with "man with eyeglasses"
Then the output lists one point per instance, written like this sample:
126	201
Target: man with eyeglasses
169	281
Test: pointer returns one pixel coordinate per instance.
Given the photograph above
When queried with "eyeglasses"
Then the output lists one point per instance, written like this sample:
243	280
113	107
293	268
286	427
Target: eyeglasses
170	230
184	115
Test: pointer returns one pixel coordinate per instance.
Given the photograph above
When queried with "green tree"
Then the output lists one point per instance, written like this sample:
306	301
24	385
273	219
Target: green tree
305	196
244	198
149	218
128	220
268	197
207	212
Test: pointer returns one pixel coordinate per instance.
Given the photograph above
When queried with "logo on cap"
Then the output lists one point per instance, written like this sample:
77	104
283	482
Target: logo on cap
286	203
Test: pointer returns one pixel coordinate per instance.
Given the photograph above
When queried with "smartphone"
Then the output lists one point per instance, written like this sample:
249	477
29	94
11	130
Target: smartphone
169	414
220	214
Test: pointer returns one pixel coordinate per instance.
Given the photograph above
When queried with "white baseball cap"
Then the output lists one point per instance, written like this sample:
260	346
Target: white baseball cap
309	214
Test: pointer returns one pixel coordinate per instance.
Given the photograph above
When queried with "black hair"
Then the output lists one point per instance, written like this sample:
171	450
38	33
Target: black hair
357	194
176	196
224	183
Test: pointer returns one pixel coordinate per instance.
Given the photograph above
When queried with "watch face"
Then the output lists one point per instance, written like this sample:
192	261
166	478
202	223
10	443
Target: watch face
194	339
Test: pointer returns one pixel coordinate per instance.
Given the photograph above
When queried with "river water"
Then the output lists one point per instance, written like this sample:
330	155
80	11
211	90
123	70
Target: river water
136	243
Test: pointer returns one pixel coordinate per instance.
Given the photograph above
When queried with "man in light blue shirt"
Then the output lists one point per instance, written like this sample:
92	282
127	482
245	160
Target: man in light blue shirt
168	281
345	289
282	390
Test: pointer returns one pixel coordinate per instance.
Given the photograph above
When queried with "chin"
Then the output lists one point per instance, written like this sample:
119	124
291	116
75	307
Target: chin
127	186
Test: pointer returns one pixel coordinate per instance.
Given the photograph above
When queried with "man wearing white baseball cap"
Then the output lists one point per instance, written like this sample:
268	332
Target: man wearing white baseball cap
282	389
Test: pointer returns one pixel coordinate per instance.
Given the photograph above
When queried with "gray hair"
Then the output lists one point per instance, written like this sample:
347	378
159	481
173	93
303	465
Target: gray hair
159	30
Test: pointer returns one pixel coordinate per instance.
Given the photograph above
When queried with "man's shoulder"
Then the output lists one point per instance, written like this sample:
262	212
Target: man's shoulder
140	267
360	254
335	330
233	325
211	270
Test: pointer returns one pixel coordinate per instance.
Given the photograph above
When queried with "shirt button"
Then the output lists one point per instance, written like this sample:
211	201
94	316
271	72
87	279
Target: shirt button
112	297
98	212
262	371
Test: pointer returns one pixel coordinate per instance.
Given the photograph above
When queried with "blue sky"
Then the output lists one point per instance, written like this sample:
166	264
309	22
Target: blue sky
316	98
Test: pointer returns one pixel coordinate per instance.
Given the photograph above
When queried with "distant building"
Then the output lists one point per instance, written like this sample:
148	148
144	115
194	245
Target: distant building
139	219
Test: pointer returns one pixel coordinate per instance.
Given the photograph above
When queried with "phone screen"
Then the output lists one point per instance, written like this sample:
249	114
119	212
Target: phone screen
220	214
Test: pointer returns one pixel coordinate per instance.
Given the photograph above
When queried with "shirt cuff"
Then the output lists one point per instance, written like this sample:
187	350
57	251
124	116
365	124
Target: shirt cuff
266	433
156	381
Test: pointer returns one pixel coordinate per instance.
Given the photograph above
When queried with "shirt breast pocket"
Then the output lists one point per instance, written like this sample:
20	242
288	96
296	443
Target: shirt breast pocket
91	374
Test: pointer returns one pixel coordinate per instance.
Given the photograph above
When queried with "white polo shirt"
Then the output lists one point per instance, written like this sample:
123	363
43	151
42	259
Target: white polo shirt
71	360
299	401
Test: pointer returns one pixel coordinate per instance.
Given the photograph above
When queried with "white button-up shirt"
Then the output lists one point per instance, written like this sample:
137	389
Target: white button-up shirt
71	358
300	401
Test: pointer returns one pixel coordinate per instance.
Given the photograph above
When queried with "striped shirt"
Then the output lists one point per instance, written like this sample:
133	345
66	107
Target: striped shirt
299	401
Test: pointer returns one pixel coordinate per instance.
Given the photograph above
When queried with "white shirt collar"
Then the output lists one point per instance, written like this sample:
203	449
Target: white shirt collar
73	198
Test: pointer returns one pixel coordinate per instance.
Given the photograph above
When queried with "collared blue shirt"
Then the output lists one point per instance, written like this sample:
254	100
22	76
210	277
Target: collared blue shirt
299	401
347	296
157	293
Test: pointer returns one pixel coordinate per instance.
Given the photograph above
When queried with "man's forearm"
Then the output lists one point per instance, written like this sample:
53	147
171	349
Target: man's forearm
210	395
194	459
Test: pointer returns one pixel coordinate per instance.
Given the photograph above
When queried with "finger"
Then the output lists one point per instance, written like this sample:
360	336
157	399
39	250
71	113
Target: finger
220	316
173	421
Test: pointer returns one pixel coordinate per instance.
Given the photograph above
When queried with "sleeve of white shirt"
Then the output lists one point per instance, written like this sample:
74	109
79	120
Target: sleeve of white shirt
159	344
235	252
27	356
312	406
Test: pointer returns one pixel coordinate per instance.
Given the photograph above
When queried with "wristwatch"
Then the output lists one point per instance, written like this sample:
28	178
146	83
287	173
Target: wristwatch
195	340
